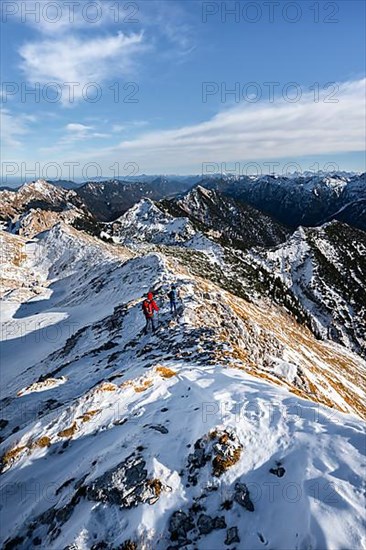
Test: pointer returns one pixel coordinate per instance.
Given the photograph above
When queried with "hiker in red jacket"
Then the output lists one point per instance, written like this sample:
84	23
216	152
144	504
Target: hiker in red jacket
149	306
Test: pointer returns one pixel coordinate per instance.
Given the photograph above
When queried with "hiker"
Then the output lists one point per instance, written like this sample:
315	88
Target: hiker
149	306
173	299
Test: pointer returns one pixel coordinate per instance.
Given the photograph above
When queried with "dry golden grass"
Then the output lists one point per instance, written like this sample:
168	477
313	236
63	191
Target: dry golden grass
221	464
12	454
223	439
19	258
156	485
48	383
144	386
106	386
89	415
165	372
324	368
42	442
68	432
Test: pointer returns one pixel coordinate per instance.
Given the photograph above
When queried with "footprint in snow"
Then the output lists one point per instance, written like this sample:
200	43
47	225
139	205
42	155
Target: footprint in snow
262	539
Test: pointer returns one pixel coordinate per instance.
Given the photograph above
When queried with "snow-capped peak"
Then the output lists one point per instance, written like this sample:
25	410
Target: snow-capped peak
147	223
144	210
205	192
41	187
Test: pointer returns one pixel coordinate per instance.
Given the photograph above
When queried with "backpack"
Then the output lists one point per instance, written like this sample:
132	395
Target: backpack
147	308
172	295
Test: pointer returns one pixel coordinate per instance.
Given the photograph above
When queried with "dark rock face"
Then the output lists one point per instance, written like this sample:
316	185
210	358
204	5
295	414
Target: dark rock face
335	295
126	485
110	199
235	224
197	460
330	302
213	454
180	524
159	428
49	523
3	423
30	208
279	471
232	536
206	523
242	496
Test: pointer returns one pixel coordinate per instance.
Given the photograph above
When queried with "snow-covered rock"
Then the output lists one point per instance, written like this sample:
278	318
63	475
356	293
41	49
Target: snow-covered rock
147	223
324	269
38	206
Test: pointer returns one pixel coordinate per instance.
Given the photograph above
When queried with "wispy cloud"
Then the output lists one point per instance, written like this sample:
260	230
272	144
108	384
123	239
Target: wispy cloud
77	132
129	125
253	132
56	18
14	127
81	61
172	22
77	127
74	132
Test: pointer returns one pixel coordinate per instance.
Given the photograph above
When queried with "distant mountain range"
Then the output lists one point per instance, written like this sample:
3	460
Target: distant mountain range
304	200
295	200
108	200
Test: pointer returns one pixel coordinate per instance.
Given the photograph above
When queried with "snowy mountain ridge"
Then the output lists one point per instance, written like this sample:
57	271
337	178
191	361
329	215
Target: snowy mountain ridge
318	272
236	224
215	431
172	440
146	224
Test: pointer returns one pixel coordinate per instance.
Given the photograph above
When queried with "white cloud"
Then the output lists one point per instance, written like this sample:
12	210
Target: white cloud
58	17
254	132
169	20
78	128
75	132
80	131
14	127
78	60
247	132
174	23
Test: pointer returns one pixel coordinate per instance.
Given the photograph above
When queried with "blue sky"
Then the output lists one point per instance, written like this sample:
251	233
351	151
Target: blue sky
174	64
